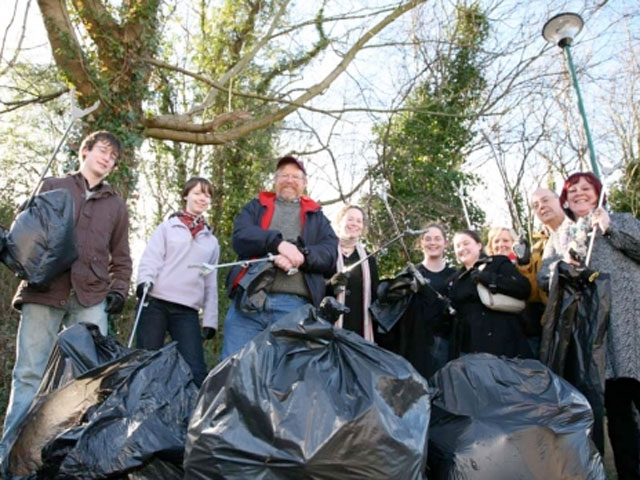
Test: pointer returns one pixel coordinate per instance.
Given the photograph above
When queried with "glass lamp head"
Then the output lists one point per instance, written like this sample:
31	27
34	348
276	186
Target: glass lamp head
562	28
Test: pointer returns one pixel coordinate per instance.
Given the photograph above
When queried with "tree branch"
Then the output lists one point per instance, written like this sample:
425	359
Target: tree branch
64	44
278	115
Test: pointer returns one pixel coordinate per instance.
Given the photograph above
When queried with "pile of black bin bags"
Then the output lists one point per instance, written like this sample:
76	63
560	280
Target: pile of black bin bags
305	400
495	419
104	411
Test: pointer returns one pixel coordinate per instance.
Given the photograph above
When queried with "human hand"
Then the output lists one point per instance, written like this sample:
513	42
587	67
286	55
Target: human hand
293	254
115	303
208	333
141	286
283	263
339	279
601	219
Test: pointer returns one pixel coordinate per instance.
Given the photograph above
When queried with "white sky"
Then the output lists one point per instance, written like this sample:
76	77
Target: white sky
352	140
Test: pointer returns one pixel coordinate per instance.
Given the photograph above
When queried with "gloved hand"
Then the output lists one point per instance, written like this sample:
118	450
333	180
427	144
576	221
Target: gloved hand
522	249
115	303
475	276
339	279
208	333
140	288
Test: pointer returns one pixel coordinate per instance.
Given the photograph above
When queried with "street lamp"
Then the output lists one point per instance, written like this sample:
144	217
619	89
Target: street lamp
560	30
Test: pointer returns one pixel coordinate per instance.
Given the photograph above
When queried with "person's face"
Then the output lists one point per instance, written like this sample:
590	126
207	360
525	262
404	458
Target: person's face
502	243
290	182
100	160
582	198
197	200
467	250
352	224
546	206
433	243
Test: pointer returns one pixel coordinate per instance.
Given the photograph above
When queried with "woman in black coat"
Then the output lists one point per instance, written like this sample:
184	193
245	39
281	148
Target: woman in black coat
478	328
421	333
355	287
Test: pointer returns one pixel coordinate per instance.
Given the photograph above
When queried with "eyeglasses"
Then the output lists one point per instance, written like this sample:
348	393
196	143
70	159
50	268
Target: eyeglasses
290	176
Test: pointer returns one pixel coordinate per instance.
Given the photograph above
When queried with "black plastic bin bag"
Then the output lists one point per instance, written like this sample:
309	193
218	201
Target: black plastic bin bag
574	336
509	419
127	416
41	243
306	400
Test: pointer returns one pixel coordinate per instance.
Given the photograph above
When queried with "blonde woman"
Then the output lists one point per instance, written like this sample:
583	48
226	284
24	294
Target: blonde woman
357	288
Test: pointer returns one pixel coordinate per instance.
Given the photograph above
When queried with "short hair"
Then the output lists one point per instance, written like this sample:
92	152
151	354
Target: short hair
348	206
428	226
471	233
205	185
102	136
493	233
571	181
437	225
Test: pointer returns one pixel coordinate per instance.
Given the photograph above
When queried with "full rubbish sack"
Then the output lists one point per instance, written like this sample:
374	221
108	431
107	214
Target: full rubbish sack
307	400
574	335
124	417
504	419
41	244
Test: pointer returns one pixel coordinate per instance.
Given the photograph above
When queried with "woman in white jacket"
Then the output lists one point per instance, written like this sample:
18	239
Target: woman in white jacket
176	292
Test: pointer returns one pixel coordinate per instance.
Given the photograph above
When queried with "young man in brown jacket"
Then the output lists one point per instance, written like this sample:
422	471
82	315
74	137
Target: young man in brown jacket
95	285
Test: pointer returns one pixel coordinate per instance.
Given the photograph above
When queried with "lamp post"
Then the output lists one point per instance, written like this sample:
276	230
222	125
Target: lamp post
560	30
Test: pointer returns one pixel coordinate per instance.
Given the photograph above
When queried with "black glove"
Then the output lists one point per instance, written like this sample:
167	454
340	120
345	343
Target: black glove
522	249
115	303
330	309
208	333
340	279
475	276
140	288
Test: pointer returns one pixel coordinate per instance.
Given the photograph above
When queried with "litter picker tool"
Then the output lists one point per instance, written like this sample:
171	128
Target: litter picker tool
76	114
412	268
208	268
145	290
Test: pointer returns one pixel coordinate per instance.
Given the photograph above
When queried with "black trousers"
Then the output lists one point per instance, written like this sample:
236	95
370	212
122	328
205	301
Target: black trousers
622	401
160	317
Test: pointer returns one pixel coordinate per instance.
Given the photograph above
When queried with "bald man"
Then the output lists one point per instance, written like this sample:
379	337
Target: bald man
546	206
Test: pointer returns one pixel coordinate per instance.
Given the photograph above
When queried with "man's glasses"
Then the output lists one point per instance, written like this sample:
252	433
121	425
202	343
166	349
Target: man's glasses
290	176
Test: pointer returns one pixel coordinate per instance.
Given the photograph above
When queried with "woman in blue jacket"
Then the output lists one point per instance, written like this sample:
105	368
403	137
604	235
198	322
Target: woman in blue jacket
177	292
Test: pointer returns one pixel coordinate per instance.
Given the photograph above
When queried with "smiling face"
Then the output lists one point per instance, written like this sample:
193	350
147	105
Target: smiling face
197	200
290	182
352	224
582	198
546	206
502	243
98	161
467	250
433	243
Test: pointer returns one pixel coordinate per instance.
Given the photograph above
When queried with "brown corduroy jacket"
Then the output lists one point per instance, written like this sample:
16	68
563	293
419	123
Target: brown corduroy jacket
104	263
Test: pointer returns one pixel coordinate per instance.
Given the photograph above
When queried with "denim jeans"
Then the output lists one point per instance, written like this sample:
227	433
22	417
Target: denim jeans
241	327
182	324
37	334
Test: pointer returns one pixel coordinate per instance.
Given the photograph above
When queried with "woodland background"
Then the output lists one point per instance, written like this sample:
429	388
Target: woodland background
426	99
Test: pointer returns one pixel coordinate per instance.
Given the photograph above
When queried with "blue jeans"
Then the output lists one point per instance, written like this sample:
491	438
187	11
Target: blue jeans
241	327
37	334
160	317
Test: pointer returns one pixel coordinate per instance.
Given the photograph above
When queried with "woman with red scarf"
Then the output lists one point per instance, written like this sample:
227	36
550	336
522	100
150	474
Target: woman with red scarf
177	292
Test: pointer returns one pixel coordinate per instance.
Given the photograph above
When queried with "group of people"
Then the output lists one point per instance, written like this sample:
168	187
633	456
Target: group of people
429	313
